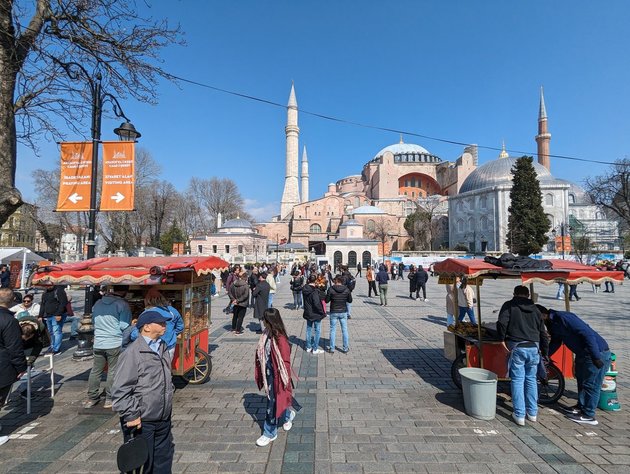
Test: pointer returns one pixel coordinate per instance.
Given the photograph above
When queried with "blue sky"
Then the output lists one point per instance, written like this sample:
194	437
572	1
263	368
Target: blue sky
468	71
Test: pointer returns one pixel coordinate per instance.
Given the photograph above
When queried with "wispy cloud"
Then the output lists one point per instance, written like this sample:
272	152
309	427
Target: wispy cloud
261	211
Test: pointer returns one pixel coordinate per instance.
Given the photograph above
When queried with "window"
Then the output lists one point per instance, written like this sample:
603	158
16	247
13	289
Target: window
370	225
200	248
484	223
413	194
214	249
460	225
571	198
240	249
551	220
460	206
471	224
483	202
549	199
316	228
599	215
471	203
227	249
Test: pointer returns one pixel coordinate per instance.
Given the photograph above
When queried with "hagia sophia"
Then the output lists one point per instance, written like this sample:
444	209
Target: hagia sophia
361	217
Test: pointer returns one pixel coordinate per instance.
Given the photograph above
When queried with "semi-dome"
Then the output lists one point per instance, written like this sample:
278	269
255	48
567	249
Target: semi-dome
498	172
368	210
236	225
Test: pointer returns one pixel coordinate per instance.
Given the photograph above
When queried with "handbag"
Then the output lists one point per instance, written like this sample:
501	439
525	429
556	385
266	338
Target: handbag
133	454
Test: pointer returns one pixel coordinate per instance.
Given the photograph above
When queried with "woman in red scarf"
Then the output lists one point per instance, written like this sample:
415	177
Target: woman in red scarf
273	373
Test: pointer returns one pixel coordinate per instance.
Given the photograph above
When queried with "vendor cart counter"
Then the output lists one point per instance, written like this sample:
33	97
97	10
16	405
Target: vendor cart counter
495	356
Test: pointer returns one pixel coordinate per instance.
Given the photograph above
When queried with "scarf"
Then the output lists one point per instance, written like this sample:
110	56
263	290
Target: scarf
262	360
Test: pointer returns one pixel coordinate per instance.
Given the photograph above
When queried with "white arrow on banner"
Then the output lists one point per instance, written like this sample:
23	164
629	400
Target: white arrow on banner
118	197
75	198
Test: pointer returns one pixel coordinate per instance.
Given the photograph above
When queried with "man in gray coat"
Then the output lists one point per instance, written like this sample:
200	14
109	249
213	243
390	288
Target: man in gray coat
143	392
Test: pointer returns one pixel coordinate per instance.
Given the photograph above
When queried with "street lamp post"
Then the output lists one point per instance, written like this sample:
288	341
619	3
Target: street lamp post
126	132
564	230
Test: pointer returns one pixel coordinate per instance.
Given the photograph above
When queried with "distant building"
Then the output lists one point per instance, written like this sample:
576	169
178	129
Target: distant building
236	241
20	229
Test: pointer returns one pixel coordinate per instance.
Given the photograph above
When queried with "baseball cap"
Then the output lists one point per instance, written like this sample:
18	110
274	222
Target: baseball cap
150	317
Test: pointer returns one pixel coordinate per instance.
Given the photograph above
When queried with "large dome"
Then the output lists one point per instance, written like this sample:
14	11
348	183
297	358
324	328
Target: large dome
407	153
499	172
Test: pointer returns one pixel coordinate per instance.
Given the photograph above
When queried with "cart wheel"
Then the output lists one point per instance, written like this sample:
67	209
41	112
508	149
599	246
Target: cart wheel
459	363
550	390
200	373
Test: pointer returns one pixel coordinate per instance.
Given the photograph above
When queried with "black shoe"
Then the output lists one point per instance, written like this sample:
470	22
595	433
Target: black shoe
583	419
349	317
574	410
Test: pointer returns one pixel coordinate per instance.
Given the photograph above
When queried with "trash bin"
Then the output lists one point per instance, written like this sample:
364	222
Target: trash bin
480	392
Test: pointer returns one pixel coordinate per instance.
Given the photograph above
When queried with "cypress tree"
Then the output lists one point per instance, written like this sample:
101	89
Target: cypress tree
527	223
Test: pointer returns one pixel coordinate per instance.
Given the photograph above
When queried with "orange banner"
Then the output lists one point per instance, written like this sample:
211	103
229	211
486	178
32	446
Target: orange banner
567	244
118	189
75	178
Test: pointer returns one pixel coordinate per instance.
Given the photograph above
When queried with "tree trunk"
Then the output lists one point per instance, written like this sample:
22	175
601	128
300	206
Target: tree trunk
10	197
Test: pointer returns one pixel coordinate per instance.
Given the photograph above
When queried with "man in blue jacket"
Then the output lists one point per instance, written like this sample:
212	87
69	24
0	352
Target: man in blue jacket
592	359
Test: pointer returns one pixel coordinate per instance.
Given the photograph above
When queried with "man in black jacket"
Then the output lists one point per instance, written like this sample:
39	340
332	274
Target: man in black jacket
313	313
339	296
53	310
520	327
12	359
421	282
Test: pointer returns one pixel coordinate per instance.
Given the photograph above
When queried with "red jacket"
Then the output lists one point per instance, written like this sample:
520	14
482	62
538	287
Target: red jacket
284	395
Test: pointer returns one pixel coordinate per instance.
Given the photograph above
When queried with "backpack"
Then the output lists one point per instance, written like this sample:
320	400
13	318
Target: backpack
351	282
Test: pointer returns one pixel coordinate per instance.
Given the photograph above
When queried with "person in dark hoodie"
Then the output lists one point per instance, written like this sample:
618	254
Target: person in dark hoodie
313	313
239	295
382	278
421	283
261	298
53	310
520	327
338	296
592	359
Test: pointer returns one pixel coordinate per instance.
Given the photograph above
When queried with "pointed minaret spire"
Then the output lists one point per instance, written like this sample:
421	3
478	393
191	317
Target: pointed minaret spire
503	154
291	193
542	111
304	181
401	139
544	137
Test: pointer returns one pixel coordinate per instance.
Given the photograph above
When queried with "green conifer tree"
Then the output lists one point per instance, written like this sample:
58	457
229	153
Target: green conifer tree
527	223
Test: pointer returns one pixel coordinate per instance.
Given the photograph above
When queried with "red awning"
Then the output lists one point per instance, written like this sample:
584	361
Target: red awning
570	272
124	270
463	266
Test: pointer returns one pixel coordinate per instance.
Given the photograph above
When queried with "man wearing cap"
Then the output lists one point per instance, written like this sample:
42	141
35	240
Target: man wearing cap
111	316
143	392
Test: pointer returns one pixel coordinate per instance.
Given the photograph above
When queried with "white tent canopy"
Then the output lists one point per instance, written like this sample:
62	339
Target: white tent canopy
11	254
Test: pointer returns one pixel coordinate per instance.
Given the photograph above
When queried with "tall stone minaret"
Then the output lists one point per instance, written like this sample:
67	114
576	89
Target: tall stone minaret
291	194
544	137
304	178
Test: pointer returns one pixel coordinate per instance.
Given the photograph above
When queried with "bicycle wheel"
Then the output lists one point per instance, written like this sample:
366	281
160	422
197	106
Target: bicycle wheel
459	363
551	389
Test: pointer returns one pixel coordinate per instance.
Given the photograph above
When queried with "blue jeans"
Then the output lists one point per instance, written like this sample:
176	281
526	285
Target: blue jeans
270	426
589	381
55	330
465	310
74	326
270	304
343	321
312	339
523	366
450	319
297	299
349	308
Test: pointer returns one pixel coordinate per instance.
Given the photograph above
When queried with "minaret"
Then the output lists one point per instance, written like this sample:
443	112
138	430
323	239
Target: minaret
291	194
544	137
304	178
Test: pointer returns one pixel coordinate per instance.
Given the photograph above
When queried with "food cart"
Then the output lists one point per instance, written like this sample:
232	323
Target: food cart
184	281
476	347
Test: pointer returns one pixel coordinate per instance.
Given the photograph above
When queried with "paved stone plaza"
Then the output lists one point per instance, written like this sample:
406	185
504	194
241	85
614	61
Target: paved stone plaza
389	405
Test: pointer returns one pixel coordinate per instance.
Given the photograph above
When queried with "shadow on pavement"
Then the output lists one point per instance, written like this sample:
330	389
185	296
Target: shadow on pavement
435	320
255	405
429	364
13	415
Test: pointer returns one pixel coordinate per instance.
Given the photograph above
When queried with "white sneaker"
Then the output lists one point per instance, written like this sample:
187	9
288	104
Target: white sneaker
3	439
532	418
318	351
518	421
289	424
264	440
426	299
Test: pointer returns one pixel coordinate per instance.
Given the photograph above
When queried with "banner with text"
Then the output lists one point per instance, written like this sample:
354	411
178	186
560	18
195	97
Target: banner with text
75	177
118	189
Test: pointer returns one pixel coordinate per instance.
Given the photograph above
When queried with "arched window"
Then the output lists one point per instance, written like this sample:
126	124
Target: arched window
483	202
552	221
316	228
571	198
370	225
471	203
460	225
460	206
549	199
484	223
471	223
599	215
366	259
352	259
337	260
